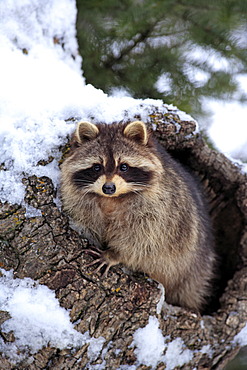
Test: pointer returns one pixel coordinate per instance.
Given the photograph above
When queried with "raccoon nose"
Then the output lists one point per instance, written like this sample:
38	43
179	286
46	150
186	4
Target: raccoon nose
109	188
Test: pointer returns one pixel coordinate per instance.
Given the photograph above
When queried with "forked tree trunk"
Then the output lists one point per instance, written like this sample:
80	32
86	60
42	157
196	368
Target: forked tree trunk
47	249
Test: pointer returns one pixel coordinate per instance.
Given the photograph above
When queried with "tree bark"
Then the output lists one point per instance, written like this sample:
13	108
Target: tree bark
47	249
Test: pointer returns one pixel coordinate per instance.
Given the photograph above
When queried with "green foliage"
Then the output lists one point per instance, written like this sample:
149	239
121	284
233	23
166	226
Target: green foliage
131	43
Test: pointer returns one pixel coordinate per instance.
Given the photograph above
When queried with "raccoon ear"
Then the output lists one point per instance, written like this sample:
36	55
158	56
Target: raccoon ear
137	131
86	131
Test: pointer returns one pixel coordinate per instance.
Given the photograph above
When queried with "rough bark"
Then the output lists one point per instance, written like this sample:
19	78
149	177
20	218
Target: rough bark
45	248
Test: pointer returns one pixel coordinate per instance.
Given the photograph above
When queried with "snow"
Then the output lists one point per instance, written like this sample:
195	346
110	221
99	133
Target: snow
95	347
207	350
37	320
227	126
35	87
162	299
177	354
150	343
241	337
152	349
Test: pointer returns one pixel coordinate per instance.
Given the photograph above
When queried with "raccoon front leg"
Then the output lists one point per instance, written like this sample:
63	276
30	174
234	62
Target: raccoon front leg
107	259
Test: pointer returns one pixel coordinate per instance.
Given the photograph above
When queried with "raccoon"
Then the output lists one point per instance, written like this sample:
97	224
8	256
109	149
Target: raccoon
141	208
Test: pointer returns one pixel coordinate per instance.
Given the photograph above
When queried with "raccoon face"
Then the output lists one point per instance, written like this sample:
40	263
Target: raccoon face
113	160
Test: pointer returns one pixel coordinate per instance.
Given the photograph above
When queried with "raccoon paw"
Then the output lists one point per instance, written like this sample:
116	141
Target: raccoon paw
100	259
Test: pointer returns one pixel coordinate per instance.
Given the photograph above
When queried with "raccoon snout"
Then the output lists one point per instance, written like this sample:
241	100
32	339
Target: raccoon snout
109	188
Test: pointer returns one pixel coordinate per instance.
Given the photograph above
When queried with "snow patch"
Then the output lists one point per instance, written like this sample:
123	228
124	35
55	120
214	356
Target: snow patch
241	338
206	349
177	354
37	320
32	212
95	348
162	299
151	345
152	348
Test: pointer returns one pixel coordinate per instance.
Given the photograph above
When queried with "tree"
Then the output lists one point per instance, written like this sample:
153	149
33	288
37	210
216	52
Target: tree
46	248
174	44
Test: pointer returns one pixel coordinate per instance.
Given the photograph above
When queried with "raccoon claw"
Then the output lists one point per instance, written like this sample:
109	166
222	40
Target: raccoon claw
95	252
102	262
98	260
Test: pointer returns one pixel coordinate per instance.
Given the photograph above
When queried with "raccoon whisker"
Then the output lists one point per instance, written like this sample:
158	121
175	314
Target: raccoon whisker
141	184
139	193
86	190
79	181
82	185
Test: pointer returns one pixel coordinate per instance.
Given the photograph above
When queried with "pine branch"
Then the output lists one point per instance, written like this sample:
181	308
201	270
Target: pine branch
196	6
221	39
132	44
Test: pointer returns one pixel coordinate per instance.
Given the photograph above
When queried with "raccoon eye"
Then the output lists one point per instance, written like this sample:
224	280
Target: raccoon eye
123	167
97	167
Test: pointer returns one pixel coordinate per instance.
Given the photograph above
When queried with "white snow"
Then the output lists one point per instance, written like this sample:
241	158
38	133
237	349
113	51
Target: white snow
151	344
35	93
162	299
177	354
206	349
207	56
95	347
152	347
227	125
37	320
241	337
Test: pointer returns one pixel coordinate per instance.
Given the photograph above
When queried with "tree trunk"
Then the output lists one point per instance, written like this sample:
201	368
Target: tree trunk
47	249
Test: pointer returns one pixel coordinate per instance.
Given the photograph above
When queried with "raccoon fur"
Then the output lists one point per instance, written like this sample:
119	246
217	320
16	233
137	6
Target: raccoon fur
142	208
